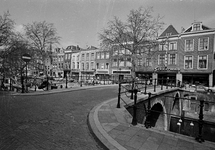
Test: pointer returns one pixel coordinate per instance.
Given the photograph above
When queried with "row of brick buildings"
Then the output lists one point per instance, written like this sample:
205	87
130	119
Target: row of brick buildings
187	57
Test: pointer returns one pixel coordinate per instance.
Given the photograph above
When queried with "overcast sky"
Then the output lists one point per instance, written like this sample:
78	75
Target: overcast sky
79	21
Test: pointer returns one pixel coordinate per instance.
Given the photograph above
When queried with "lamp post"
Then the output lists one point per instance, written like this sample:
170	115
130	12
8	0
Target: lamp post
26	58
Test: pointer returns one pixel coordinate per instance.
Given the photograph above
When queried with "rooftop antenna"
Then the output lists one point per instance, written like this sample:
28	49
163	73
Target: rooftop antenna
194	13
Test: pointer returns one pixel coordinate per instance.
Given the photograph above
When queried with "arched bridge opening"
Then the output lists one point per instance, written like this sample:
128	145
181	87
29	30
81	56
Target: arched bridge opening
156	116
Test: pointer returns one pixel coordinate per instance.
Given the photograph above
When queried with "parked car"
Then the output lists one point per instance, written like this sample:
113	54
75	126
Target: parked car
202	88
210	89
43	85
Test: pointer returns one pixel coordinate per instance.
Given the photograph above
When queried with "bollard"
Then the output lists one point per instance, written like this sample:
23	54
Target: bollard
155	85
22	81
201	122
171	83
147	122
132	87
119	93
166	83
145	86
134	120
66	81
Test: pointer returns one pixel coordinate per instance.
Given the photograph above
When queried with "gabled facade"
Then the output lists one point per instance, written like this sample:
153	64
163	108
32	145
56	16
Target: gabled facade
102	60
87	62
58	63
75	64
197	53
67	62
68	59
120	62
166	65
187	57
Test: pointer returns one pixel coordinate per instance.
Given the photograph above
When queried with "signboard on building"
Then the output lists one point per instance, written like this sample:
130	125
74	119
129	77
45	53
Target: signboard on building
166	69
102	72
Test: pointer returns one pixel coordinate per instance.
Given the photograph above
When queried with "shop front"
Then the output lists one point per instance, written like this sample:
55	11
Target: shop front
168	76
102	74
75	74
120	75
87	75
196	78
144	75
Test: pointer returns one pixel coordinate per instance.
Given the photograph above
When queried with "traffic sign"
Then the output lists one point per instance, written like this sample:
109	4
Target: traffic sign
26	57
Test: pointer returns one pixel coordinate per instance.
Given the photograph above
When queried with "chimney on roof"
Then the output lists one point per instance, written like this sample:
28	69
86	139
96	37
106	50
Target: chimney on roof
182	29
78	48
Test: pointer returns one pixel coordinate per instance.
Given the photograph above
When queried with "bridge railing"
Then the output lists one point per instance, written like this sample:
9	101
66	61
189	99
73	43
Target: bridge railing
127	87
200	107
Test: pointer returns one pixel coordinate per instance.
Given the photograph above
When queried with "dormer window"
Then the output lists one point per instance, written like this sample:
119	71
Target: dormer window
196	27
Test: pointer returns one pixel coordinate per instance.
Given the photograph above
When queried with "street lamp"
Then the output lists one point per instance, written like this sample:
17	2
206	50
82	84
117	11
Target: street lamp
26	58
179	125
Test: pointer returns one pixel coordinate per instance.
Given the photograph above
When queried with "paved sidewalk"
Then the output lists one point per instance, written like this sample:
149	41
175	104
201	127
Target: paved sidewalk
112	127
59	90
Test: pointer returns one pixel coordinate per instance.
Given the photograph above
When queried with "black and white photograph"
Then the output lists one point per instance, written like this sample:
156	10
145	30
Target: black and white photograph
107	75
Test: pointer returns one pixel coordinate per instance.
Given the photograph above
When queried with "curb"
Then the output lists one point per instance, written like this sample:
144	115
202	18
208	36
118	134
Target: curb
58	91
91	125
107	141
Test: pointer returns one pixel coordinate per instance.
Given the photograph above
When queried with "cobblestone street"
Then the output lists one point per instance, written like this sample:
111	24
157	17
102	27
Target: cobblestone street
54	121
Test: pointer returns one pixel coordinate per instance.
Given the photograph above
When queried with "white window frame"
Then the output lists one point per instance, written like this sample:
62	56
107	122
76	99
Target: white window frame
139	62
102	55
174	47
184	61
169	59
149	64
194	26
107	55
91	65
199	44
102	66
186	45
162	47
159	63
206	63
122	62
98	56
114	63
92	56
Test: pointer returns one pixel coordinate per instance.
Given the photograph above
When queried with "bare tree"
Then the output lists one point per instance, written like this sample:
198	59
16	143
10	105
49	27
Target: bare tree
137	34
6	28
12	63
41	35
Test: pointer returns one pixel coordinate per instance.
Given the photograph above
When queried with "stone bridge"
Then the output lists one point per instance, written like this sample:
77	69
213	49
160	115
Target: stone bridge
171	106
